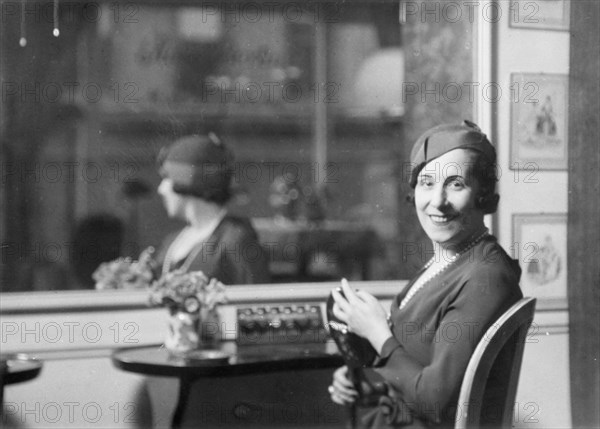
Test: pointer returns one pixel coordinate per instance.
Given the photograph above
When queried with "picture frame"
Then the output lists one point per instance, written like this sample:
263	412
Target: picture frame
540	246
539	121
540	14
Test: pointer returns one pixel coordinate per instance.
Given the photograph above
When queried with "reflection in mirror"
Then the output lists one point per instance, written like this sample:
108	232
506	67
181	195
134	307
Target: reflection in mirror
320	103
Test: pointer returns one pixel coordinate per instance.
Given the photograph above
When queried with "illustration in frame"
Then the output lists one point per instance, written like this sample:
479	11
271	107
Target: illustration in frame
540	246
539	121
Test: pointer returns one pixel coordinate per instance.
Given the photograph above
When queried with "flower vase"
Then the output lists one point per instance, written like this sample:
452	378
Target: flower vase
210	327
183	333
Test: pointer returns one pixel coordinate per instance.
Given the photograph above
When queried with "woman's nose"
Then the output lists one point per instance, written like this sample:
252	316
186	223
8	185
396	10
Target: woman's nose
438	197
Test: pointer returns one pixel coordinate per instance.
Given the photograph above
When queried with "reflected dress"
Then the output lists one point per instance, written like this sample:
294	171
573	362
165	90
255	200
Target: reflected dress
231	254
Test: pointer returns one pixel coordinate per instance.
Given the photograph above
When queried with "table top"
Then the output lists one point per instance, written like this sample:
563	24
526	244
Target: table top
20	368
156	360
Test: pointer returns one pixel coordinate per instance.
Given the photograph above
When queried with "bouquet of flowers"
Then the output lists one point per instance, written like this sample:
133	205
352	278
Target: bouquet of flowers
187	291
125	273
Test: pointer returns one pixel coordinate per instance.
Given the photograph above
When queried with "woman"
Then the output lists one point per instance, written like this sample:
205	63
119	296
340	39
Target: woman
196	186
435	323
197	173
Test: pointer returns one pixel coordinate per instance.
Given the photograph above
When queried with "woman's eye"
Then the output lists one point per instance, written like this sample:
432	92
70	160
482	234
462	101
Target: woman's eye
425	181
456	184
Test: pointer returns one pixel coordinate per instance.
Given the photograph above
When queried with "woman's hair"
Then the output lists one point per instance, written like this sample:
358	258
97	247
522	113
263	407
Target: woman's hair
199	166
486	174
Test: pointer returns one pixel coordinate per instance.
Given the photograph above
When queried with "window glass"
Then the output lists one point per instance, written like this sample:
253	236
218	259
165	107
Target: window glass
320	101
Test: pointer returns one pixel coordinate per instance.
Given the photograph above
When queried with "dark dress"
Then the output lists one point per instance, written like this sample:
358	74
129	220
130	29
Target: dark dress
423	364
232	254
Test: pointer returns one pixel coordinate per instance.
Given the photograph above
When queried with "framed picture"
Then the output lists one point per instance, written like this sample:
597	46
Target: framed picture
539	121
540	246
540	14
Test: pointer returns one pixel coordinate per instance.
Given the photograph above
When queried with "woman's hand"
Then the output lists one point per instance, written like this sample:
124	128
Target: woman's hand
342	389
363	314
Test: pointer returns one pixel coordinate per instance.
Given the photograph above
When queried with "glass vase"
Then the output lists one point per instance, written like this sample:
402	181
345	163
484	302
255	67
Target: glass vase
210	328
183	332
189	331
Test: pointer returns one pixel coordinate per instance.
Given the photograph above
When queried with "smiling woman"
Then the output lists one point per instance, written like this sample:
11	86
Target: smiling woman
454	178
468	284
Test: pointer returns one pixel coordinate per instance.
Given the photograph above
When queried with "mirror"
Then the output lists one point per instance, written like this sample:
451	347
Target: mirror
320	102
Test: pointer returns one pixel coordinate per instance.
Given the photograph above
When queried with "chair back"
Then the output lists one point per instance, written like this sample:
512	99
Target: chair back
489	387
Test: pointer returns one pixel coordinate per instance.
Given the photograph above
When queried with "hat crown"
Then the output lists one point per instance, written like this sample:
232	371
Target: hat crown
198	149
441	139
446	137
199	165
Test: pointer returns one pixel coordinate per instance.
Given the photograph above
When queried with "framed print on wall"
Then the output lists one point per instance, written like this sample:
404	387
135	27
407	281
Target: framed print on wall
540	246
539	121
540	14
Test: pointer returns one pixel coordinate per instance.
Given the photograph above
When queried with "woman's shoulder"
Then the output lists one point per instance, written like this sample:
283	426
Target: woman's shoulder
489	265
492	256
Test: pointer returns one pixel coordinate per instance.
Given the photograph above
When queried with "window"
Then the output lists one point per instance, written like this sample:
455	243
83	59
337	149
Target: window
323	97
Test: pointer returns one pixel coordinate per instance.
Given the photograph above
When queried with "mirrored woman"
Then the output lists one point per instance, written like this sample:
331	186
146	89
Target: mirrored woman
197	173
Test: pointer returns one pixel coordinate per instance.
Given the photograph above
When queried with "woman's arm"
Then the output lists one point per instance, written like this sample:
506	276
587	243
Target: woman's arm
430	389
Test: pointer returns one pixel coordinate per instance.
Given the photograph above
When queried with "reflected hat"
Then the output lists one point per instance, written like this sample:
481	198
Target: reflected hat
446	137
200	166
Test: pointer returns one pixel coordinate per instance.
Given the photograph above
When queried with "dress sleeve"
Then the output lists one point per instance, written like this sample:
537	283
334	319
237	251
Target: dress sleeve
428	390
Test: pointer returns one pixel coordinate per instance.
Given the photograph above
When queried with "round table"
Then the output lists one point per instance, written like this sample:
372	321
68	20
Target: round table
241	360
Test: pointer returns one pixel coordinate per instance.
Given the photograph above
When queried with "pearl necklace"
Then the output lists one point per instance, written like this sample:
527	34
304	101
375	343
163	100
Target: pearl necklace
424	280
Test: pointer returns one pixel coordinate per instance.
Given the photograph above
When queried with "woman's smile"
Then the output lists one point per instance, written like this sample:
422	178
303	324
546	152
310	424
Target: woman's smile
442	220
445	198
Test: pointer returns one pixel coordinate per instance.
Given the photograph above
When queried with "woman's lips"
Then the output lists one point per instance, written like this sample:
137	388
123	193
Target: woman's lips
441	220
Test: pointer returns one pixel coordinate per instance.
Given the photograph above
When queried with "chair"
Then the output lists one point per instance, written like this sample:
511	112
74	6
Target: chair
499	352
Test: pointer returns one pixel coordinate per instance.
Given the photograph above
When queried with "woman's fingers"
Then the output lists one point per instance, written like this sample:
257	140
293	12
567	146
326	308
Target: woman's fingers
348	292
339	398
337	312
340	301
341	376
366	296
342	398
342	390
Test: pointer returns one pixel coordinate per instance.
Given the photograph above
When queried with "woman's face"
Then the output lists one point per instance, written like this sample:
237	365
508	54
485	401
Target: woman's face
445	198
173	202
